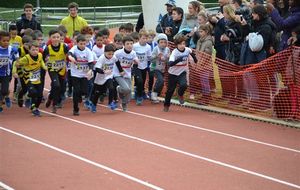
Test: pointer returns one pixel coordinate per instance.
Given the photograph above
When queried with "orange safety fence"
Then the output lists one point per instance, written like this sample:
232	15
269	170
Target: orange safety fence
270	88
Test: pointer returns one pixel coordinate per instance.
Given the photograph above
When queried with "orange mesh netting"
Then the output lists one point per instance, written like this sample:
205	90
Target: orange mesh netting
269	88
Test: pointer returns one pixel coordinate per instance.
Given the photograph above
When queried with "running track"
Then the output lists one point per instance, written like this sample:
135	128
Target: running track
145	148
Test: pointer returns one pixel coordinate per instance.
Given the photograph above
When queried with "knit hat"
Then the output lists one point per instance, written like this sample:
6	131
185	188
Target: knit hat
162	36
170	3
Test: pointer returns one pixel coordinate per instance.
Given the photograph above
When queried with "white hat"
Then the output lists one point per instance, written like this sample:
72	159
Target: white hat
161	36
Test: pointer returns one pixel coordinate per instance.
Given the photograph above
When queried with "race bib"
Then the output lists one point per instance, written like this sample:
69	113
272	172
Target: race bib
4	60
141	57
35	76
126	63
83	67
58	65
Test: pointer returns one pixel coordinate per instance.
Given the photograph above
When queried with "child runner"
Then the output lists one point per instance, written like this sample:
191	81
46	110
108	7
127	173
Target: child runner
7	55
160	56
143	51
122	70
178	66
82	60
104	78
55	57
32	64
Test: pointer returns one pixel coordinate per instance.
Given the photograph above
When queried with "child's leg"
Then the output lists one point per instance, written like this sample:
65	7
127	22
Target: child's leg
151	80
144	76
138	79
172	82
111	90
70	85
39	88
4	81
33	94
96	92
128	95
55	87
182	84
159	84
123	89
76	93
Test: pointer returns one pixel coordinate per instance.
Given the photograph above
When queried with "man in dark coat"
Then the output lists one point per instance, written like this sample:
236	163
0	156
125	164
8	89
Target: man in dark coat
28	20
166	21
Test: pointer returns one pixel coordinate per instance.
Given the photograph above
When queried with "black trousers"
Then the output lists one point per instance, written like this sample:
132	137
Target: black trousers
57	87
23	89
35	92
173	81
80	88
4	84
140	79
101	89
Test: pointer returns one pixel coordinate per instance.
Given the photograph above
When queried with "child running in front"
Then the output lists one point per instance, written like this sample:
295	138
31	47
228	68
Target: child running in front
55	57
143	52
178	66
7	55
160	56
126	58
104	78
32	65
82	61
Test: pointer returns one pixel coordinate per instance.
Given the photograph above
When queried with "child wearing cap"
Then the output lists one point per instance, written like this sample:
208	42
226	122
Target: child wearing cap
160	56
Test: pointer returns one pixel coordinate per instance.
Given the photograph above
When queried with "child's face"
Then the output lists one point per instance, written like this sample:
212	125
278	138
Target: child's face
105	39
88	37
128	32
81	45
181	46
13	33
163	43
150	38
128	45
34	51
74	40
55	38
122	31
109	54
40	41
99	41
26	46
202	33
62	39
143	40
4	41
119	44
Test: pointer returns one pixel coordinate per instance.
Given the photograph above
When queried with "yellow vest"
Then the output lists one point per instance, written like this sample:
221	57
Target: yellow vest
32	68
16	42
57	60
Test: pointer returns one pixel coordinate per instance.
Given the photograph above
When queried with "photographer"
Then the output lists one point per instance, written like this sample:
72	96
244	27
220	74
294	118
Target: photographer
232	38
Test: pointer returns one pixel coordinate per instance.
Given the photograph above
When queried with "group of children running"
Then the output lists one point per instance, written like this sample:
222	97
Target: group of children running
88	67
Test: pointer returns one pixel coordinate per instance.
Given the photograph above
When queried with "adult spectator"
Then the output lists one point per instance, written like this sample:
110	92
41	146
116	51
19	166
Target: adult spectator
288	24
219	28
242	9
177	15
28	20
73	22
165	24
140	23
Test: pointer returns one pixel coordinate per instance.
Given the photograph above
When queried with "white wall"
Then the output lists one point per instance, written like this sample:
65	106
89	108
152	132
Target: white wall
152	9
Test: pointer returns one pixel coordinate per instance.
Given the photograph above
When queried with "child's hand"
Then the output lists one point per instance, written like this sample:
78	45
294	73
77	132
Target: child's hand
107	72
72	59
15	75
122	73
89	74
159	56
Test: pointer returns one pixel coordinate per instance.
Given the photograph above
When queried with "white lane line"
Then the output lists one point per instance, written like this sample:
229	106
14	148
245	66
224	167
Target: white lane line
209	130
178	151
84	159
6	187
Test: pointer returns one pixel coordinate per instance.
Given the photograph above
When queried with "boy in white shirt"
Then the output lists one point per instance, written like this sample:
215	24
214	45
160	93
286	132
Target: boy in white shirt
104	78
122	70
81	59
178	66
143	52
98	48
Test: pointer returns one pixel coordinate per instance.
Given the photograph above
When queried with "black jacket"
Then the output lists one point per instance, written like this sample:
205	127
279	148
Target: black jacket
166	21
24	23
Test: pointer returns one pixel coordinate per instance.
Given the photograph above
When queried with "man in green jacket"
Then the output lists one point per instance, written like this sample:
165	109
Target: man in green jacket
73	22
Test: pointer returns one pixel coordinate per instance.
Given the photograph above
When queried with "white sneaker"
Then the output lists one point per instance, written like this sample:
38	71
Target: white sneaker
154	98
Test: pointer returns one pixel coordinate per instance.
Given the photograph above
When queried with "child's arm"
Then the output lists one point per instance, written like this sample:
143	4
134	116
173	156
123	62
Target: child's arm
72	57
194	57
43	66
22	62
14	69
